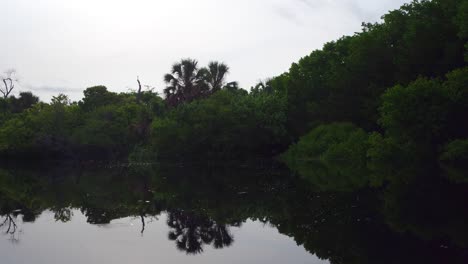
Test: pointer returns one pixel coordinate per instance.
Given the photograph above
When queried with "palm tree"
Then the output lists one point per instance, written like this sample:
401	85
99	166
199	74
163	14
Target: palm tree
231	86
185	82
215	75
263	87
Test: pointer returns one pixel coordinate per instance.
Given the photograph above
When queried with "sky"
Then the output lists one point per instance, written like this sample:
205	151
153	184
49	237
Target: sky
65	46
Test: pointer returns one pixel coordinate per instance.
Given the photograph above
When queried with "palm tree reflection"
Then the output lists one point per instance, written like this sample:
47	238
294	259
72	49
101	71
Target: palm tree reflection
191	231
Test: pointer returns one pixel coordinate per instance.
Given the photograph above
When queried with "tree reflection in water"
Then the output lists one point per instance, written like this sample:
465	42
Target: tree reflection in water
9	224
191	231
405	221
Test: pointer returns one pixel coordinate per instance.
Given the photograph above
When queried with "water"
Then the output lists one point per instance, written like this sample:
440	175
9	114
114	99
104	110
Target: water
259	213
120	241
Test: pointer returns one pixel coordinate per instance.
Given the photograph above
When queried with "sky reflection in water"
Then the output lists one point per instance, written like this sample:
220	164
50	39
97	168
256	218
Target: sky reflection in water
224	214
48	241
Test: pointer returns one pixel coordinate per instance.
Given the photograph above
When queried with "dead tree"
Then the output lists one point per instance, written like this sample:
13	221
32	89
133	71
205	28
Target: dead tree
138	97
9	80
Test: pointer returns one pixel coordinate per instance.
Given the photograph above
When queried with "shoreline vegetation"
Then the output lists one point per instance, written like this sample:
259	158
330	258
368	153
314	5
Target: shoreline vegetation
395	92
359	152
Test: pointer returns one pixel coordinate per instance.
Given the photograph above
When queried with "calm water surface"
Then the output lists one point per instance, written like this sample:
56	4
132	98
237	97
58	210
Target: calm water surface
47	241
224	214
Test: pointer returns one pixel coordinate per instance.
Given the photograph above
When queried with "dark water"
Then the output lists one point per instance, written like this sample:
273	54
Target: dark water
259	213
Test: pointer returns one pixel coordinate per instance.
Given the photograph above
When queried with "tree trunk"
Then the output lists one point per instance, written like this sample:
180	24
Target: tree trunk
138	96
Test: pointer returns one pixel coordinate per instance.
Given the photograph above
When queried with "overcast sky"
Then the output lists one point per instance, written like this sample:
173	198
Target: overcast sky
68	45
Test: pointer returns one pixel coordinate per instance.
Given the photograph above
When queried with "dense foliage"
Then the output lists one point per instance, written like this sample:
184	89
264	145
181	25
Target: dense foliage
404	81
397	90
343	81
104	124
227	124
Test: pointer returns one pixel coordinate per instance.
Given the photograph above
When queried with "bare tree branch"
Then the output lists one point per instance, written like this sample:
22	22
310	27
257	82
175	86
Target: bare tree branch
9	79
11	224
138	97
